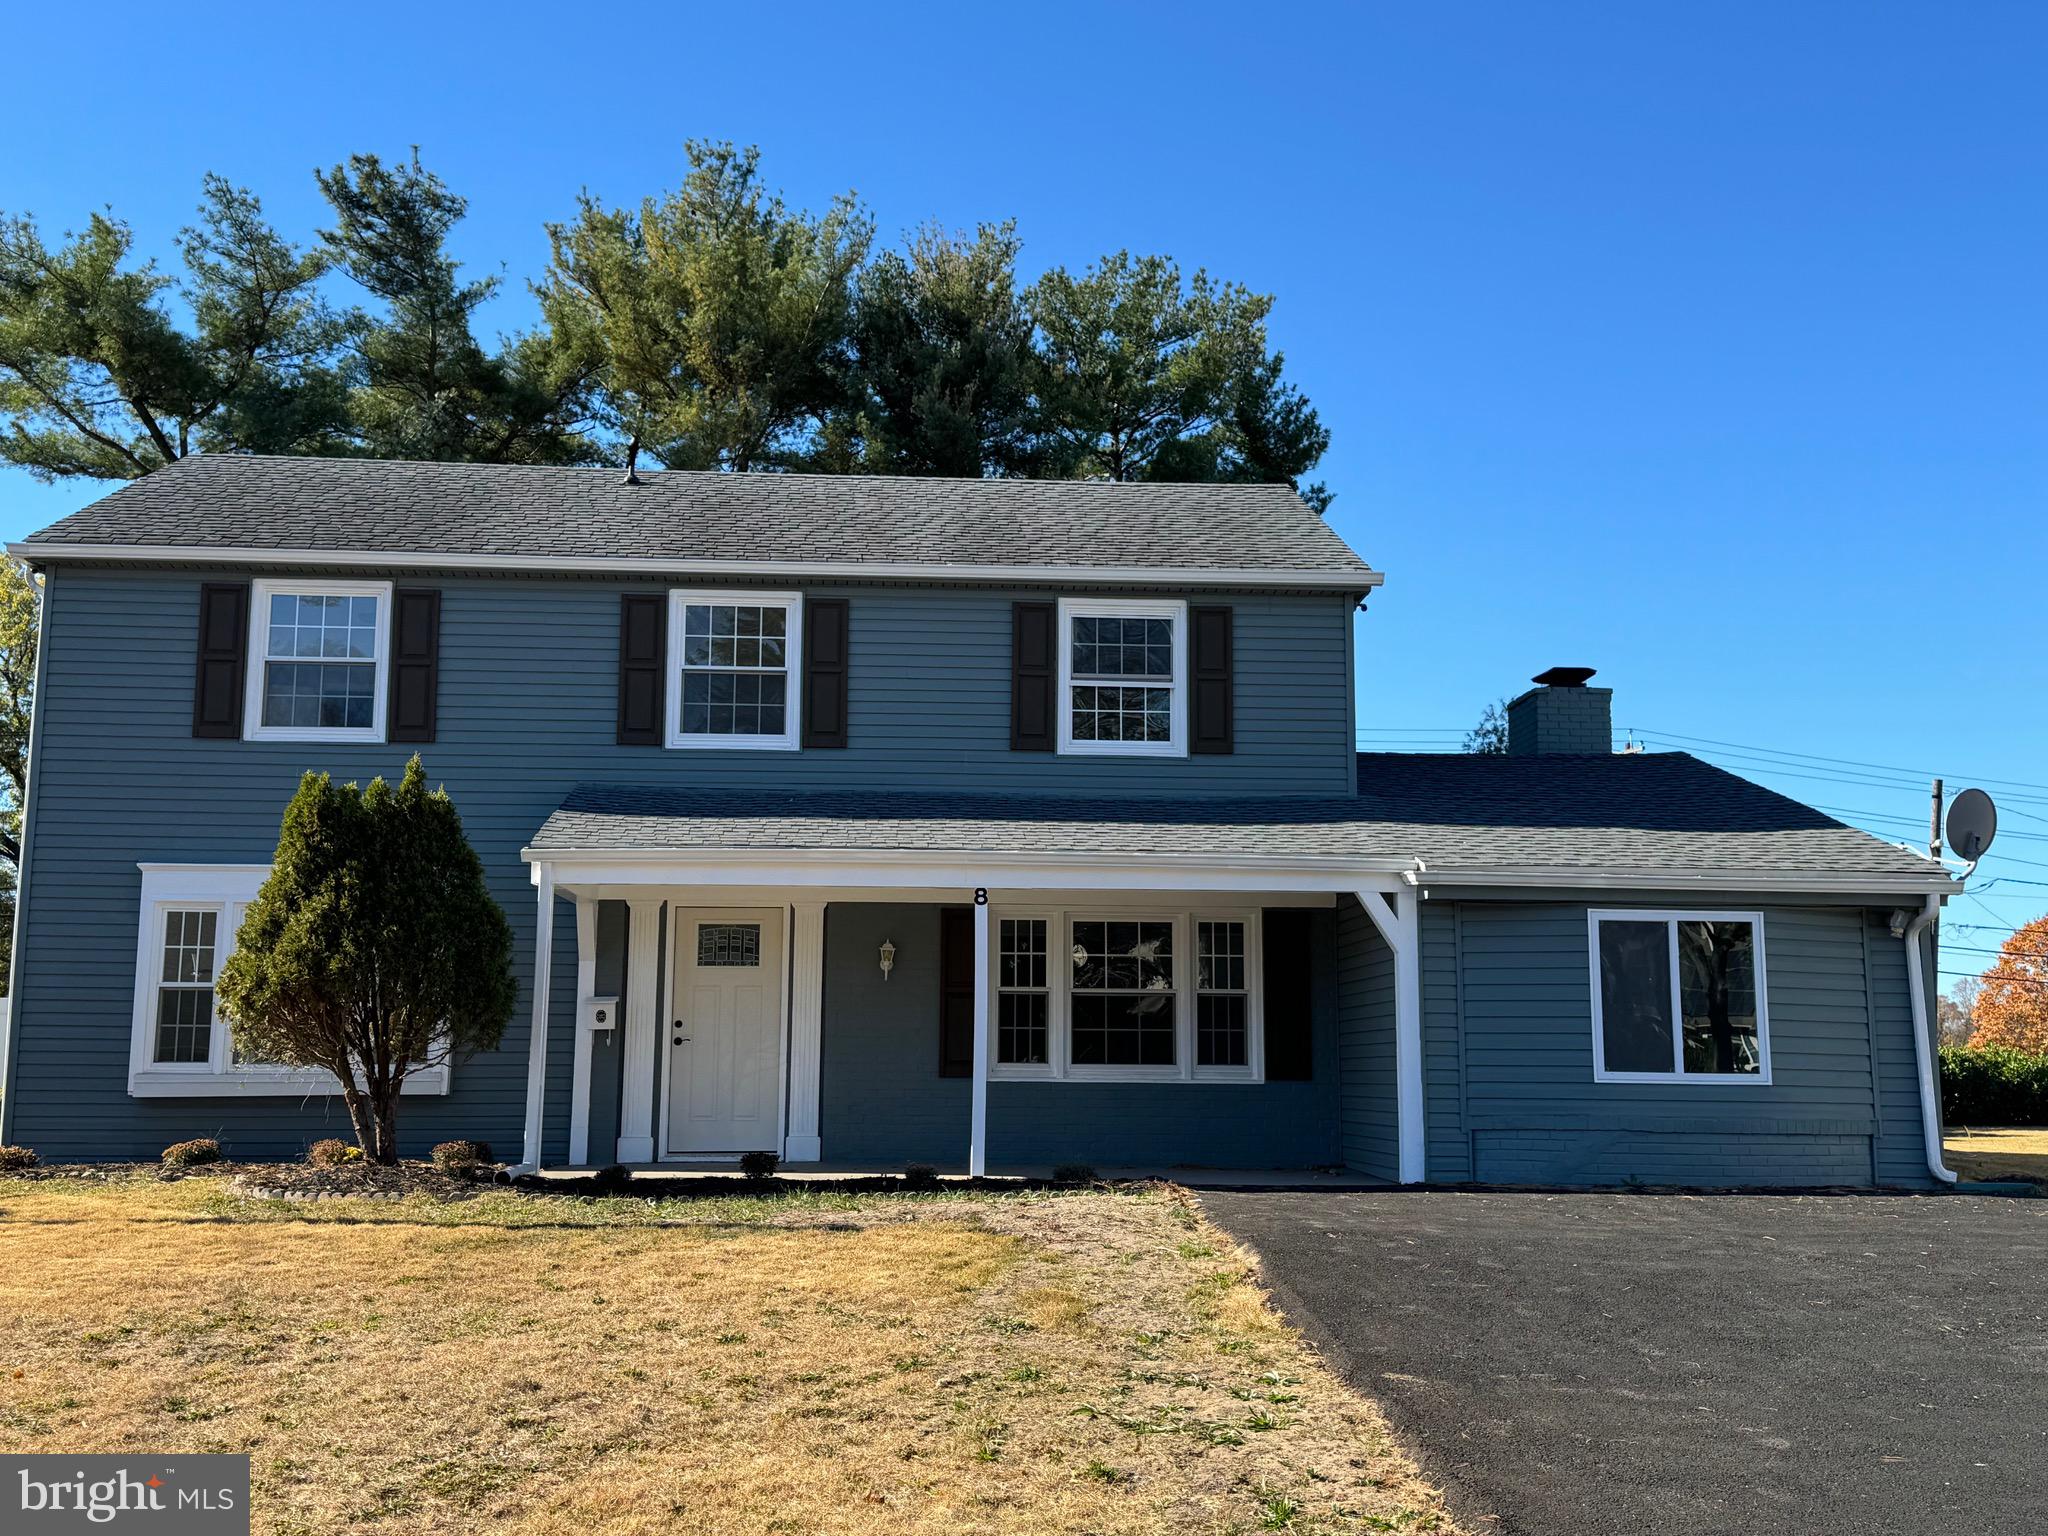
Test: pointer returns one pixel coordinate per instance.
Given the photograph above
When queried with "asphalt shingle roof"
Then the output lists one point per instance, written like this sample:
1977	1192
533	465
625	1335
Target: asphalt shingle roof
363	506
1649	812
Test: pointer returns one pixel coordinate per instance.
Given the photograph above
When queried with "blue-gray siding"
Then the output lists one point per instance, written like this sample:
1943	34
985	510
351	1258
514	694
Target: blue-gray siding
1841	1106
883	1101
1371	1140
528	688
1447	1150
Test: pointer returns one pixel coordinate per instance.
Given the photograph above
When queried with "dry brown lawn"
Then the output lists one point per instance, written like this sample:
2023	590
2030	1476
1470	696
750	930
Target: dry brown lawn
1998	1152
1097	1363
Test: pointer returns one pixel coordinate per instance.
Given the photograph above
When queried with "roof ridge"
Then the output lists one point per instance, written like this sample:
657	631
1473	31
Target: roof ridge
1064	482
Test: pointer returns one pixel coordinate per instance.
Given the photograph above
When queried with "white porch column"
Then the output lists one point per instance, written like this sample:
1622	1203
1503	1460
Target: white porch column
639	1050
977	1131
802	1141
1400	924
586	988
537	1042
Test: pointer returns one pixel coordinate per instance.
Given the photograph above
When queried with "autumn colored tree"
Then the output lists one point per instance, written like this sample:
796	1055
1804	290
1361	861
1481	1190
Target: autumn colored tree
2012	1001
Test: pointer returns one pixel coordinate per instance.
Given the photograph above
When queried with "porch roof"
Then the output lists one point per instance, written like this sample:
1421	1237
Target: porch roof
1444	818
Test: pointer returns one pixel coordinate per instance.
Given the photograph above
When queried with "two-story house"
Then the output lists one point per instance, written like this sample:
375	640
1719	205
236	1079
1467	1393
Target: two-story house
987	823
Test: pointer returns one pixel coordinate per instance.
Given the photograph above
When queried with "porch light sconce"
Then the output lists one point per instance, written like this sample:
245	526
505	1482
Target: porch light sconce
888	958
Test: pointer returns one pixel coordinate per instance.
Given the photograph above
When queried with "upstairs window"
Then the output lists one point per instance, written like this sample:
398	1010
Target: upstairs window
1679	996
733	678
317	654
1123	669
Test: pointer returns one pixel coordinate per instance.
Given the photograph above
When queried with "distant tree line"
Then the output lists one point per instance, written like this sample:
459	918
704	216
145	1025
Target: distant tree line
708	327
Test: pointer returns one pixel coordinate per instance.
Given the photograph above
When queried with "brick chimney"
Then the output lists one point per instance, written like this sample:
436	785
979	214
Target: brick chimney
1562	715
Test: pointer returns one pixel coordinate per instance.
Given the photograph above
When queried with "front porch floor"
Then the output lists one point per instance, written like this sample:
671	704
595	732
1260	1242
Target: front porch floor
956	1174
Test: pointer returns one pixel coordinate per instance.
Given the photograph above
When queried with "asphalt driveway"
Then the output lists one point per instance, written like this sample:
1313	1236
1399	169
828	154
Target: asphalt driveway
1591	1363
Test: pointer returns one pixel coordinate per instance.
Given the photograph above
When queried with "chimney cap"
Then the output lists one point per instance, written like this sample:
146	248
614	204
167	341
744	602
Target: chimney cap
1564	677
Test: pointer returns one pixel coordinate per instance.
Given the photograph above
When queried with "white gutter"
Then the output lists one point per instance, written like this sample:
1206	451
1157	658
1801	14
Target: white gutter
824	570
1923	1049
922	859
1750	880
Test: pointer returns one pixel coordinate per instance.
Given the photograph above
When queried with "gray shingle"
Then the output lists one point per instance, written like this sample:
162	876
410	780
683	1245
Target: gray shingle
1663	811
362	506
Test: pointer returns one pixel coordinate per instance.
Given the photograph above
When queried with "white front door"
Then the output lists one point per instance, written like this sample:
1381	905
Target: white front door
725	1034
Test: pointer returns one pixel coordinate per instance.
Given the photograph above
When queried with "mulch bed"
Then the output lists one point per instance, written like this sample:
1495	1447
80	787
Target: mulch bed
371	1181
289	1181
108	1173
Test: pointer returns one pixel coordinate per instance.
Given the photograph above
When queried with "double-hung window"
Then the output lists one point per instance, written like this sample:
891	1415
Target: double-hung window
1123	677
1023	993
1679	996
1127	996
317	662
184	988
733	659
1222	995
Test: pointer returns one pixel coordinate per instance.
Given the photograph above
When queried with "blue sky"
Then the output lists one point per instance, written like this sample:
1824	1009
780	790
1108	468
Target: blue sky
1703	344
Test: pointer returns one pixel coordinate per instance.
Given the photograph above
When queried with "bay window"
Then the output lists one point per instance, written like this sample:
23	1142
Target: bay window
179	1043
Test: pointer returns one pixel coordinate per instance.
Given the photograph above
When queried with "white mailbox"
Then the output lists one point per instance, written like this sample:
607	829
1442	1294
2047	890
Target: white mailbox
600	1012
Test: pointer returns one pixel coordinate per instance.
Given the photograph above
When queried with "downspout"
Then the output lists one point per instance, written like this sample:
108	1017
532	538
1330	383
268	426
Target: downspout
1923	1051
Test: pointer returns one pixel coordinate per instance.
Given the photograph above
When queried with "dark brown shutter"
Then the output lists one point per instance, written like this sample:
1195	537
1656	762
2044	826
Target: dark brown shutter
415	664
1032	676
223	660
825	626
1214	686
1287	963
956	991
643	650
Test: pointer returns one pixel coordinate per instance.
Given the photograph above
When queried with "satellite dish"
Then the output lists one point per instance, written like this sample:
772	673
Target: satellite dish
1972	823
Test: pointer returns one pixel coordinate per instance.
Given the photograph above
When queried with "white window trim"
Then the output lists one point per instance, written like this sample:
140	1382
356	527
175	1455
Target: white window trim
260	594
1072	608
791	738
226	890
1059	1005
1671	918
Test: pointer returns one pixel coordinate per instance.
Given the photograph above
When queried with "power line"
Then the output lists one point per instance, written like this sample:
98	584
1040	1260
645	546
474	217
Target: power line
1912	821
1850	762
1803	771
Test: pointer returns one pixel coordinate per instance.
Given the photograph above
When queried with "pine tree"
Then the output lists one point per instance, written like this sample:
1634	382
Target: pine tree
373	950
